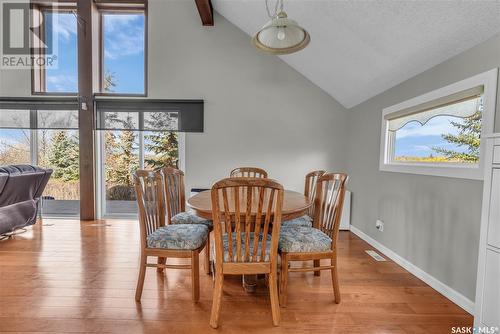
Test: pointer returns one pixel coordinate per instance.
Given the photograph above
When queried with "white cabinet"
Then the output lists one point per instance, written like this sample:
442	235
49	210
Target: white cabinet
491	296
487	304
494	215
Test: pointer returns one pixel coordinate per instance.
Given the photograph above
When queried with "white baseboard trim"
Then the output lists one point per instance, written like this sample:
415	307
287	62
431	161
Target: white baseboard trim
454	296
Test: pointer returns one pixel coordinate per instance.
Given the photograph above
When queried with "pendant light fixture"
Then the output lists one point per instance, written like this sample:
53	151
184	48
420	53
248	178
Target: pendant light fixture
281	35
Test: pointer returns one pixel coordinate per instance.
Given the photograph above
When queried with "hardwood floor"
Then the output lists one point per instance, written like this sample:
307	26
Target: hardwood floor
72	276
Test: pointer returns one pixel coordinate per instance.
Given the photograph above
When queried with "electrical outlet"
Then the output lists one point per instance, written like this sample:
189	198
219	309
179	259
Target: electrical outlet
379	225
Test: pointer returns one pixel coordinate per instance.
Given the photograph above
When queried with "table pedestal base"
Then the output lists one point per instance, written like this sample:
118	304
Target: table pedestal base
249	283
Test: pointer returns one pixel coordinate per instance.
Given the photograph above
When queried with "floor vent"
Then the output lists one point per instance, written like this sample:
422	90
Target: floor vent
99	225
375	255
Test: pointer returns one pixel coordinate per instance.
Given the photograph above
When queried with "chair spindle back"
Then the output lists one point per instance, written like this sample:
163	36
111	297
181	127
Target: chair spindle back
247	209
249	172
149	192
175	195
310	188
330	191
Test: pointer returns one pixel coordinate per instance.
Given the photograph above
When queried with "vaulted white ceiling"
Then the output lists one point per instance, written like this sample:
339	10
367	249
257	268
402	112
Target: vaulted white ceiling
361	48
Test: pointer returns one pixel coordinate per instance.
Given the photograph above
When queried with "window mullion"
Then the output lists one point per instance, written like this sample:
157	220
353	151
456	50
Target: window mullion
34	146
141	149
391	147
33	137
141	140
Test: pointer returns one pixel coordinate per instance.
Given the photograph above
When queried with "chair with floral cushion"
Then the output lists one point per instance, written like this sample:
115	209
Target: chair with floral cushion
248	172
175	198
319	242
310	192
164	241
247	221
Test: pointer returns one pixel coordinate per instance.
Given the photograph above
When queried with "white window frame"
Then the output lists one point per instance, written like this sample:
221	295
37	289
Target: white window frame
489	81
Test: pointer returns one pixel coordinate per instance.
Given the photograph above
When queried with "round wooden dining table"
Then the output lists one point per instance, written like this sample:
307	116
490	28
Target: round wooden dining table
295	205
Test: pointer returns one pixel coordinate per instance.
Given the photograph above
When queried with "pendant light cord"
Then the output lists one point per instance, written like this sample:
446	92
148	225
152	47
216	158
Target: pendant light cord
278	7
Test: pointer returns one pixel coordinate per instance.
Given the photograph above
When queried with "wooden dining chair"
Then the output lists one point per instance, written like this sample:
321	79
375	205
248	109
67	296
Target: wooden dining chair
247	219
249	172
318	242
164	241
310	192
175	198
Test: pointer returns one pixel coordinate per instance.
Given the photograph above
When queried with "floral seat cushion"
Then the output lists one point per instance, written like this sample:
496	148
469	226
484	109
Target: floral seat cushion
190	218
302	239
305	220
185	237
225	241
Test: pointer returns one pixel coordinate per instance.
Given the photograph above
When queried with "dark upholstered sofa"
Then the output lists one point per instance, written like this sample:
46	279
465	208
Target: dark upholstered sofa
21	187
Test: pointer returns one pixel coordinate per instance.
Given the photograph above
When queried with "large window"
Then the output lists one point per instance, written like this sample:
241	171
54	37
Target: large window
58	28
139	134
440	133
54	149
44	133
14	147
59	151
123	42
122	49
125	151
120	159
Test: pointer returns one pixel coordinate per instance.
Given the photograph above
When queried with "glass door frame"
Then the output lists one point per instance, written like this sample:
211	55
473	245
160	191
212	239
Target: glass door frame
100	170
34	160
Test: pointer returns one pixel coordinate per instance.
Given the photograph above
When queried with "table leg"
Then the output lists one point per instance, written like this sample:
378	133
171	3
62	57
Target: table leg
250	283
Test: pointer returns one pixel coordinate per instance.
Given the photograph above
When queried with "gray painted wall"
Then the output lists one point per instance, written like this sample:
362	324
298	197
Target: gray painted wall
13	82
258	110
432	222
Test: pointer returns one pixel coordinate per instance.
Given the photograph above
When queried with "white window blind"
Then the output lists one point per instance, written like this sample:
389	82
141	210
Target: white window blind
463	104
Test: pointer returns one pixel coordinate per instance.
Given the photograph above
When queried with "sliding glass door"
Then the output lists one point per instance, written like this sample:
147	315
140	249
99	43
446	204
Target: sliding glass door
59	151
119	160
121	153
44	132
15	146
54	149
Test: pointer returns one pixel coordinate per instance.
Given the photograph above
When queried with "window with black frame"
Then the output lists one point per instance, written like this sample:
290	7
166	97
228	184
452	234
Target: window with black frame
139	134
45	133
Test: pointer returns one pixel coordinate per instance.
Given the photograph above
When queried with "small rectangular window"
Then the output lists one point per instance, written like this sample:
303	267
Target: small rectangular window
449	134
439	133
123	34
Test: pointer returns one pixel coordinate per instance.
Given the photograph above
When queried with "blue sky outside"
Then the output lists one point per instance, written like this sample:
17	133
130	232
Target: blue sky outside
124	58
416	140
62	78
123	52
14	136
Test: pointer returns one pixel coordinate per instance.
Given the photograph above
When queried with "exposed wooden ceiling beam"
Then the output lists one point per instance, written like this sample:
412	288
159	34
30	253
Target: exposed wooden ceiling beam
206	12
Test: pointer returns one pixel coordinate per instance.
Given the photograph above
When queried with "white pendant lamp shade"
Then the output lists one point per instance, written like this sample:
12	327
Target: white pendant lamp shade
281	36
